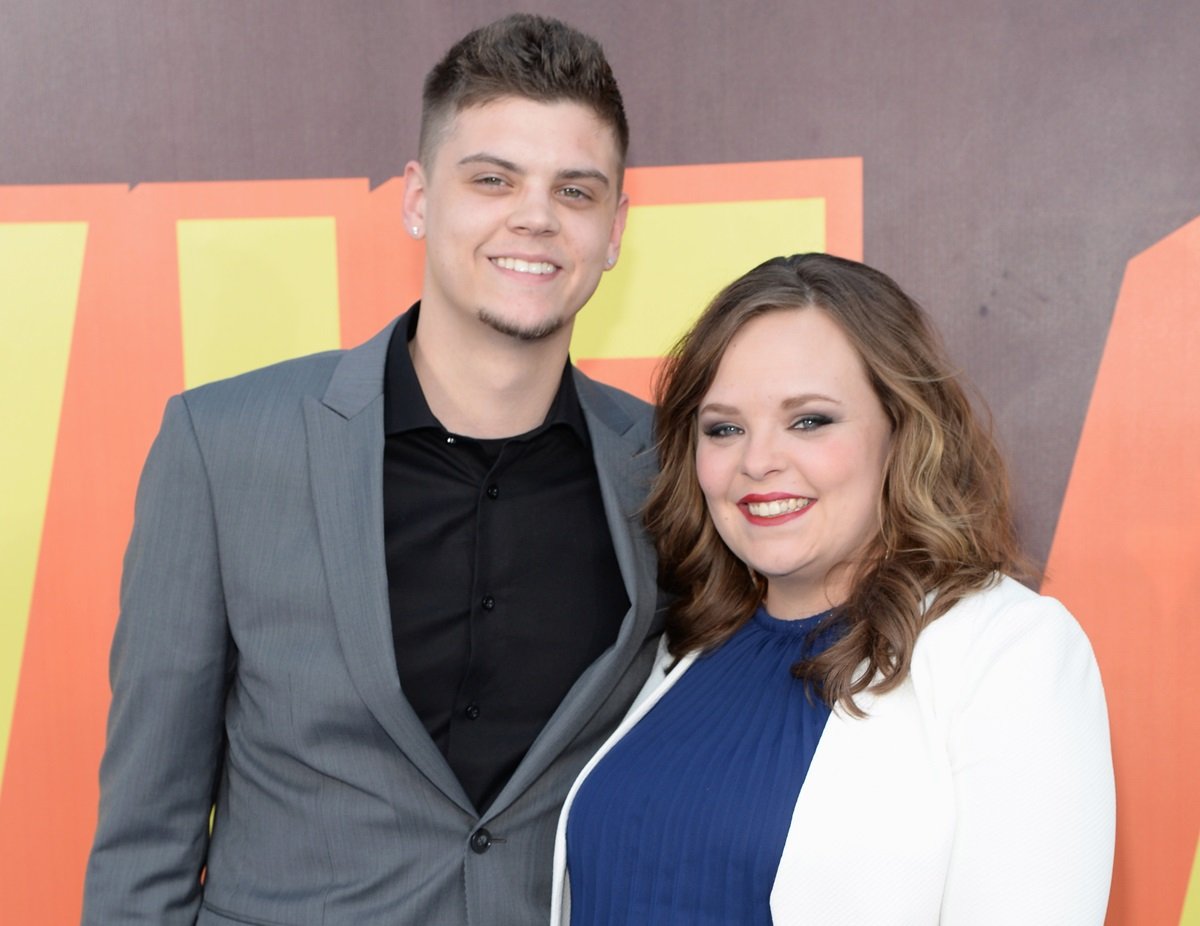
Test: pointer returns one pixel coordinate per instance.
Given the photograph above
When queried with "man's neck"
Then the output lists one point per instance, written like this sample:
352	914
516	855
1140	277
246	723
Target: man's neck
482	383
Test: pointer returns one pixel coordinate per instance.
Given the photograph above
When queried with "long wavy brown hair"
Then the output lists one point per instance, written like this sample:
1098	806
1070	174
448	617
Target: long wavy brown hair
945	518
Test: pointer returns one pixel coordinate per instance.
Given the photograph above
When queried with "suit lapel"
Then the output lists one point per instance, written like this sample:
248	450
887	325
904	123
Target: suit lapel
345	451
625	464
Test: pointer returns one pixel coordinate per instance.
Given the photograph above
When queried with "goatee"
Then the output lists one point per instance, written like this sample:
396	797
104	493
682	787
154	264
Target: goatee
536	333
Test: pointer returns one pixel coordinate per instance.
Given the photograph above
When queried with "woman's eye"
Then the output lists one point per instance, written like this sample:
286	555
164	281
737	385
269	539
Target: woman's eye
811	422
722	430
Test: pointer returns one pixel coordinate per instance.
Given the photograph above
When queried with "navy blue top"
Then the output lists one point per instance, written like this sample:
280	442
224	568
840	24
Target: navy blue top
683	823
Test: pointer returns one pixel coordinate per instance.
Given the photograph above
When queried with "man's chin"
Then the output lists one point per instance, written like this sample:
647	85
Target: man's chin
538	332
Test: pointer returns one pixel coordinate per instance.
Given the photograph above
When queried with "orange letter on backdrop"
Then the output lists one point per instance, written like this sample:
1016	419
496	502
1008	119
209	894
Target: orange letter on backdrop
135	294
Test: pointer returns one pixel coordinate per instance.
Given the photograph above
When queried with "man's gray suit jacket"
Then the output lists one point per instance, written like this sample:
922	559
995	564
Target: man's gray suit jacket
253	669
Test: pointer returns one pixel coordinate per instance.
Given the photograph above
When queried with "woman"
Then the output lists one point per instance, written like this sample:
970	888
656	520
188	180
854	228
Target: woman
859	716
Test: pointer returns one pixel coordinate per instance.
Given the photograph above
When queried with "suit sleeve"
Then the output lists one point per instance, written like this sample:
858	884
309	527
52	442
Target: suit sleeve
170	662
1033	777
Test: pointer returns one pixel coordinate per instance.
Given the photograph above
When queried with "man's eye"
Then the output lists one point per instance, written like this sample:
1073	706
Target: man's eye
574	192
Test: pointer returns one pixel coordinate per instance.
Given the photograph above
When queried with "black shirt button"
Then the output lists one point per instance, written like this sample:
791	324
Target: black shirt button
488	602
472	711
481	841
493	492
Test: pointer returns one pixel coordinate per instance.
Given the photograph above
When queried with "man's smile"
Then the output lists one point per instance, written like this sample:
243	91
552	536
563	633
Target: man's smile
537	267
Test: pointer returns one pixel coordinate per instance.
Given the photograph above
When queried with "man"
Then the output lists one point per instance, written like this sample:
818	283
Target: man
380	606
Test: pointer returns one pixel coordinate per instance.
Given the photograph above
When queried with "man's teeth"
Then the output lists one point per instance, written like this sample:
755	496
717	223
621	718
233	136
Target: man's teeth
776	507
524	266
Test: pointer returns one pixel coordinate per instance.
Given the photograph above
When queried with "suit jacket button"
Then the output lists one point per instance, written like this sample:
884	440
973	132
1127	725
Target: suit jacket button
481	841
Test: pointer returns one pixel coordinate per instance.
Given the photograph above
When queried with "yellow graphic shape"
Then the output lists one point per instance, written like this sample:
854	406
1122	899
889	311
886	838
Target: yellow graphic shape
255	291
675	258
40	268
1191	903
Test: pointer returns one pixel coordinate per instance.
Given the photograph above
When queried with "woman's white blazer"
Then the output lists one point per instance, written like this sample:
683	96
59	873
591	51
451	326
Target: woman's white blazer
978	792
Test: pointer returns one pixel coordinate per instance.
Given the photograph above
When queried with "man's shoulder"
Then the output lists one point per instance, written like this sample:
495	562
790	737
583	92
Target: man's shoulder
287	381
347	379
610	402
633	404
293	373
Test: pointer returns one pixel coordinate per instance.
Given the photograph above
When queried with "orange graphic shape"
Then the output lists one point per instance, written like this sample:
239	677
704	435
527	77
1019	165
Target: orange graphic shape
1124	560
121	362
126	359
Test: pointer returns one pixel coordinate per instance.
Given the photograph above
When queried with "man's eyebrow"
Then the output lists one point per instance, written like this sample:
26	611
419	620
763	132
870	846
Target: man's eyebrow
584	173
571	173
482	157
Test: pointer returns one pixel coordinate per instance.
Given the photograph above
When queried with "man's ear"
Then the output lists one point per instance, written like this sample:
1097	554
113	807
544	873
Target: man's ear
414	199
618	231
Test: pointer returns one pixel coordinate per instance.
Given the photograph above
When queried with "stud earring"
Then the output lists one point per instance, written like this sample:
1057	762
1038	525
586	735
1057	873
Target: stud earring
416	230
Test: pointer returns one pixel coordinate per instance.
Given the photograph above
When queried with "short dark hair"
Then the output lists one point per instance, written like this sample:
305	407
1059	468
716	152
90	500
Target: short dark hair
522	55
946	526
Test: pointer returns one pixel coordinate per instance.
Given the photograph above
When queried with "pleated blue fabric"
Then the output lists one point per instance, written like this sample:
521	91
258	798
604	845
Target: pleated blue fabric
684	821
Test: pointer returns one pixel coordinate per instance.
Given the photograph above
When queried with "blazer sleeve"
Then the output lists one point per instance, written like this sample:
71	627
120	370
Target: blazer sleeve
1033	778
170	661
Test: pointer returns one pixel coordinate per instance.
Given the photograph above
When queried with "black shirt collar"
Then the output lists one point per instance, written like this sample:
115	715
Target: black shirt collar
405	408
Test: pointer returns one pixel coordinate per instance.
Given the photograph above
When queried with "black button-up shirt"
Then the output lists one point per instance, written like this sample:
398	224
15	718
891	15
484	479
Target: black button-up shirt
502	578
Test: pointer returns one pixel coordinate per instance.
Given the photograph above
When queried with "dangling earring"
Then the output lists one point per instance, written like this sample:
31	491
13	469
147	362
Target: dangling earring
887	547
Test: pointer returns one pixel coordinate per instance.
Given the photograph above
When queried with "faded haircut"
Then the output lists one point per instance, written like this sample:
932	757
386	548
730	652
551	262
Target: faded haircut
523	55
